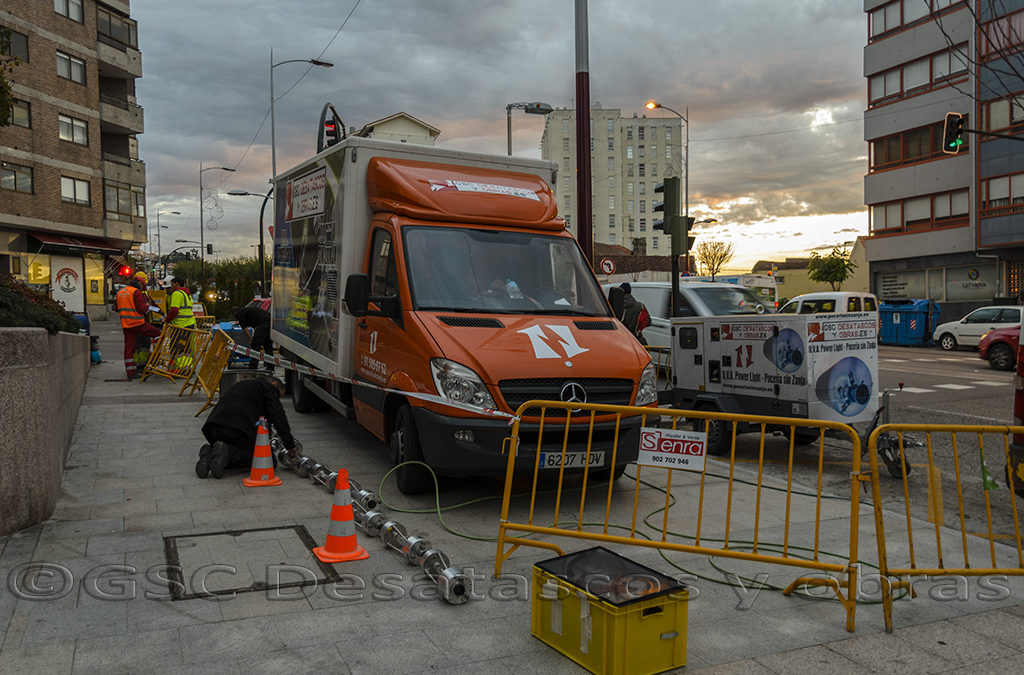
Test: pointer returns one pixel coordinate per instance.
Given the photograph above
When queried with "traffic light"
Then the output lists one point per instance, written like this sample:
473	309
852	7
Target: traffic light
952	133
209	249
125	271
669	188
682	242
330	132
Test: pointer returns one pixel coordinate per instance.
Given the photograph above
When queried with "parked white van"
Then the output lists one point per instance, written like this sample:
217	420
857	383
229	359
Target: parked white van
824	302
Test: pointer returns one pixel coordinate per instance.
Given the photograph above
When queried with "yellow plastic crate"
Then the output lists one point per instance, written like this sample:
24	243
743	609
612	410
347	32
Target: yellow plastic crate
609	614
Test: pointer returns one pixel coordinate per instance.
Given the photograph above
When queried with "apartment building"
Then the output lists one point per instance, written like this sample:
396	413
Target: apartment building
72	188
945	227
628	158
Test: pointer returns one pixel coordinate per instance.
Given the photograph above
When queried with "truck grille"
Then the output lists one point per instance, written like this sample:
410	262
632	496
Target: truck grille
606	391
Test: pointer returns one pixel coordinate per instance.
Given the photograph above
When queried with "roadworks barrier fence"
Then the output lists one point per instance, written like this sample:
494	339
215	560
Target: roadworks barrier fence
176	352
757	521
923	534
210	368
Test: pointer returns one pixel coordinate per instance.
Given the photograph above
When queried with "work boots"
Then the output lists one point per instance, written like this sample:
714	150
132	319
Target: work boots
219	456
203	465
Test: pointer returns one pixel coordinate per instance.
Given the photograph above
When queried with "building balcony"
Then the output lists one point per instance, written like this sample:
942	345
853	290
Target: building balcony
118	60
124	170
120	116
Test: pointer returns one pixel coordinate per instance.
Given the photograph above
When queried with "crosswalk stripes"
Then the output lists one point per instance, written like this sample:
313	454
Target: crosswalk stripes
987	383
916	390
953	386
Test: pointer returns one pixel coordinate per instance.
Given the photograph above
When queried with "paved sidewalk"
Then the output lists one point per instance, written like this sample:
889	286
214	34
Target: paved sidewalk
98	598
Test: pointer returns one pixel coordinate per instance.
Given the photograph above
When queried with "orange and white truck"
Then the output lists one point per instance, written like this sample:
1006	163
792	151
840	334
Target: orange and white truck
434	291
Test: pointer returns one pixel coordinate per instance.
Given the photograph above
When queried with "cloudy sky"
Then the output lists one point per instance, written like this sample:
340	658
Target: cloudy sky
774	90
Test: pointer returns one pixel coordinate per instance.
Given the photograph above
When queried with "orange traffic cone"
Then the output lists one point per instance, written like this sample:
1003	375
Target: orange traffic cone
341	545
262	473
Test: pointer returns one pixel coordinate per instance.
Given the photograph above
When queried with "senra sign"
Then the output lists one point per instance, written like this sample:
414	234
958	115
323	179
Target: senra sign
672	448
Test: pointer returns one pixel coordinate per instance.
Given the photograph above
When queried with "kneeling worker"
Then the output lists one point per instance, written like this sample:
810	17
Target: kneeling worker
231	428
256	322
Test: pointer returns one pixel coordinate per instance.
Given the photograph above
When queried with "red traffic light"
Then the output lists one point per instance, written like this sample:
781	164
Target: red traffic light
125	271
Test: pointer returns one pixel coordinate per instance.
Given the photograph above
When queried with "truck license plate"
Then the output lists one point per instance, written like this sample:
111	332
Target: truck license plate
573	460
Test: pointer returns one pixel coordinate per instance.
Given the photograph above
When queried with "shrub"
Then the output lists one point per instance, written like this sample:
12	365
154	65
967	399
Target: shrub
23	306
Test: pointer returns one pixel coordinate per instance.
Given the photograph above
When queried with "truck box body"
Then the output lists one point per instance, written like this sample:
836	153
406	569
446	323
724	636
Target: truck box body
469	267
809	366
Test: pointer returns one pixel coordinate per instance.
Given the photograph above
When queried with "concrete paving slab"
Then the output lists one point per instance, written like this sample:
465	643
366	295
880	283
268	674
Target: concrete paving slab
815	660
150	651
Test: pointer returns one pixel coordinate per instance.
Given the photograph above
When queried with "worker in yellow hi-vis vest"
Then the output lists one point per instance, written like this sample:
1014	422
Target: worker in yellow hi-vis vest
179	315
179	305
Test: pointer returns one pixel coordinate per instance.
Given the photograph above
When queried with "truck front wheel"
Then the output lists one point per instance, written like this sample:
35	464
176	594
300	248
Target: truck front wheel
405	447
719	435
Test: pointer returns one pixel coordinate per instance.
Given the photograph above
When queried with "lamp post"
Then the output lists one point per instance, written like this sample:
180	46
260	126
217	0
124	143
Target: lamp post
273	146
163	261
262	255
202	240
535	108
158	226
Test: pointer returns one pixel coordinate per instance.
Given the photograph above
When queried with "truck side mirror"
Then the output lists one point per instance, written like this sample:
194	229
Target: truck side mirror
357	294
616	298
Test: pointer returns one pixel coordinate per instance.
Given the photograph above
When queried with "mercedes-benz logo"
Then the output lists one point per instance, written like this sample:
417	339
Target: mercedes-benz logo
573	392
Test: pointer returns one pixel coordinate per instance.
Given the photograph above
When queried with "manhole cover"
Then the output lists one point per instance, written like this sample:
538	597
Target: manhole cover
240	561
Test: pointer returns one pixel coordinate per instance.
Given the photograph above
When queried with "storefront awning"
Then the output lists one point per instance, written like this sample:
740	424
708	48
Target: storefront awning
68	242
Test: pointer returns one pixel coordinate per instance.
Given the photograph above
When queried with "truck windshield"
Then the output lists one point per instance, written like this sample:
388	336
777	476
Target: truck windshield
479	270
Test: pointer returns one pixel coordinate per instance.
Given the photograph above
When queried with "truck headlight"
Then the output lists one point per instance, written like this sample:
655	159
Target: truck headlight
647	392
460	384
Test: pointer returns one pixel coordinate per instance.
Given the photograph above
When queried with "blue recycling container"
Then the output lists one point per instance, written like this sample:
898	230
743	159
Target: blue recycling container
83	322
908	323
236	333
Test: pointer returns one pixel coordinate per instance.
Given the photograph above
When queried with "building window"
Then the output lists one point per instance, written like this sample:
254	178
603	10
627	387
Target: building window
565	144
640	133
630	223
668	134
1002	34
948	63
611	237
1004	113
611	165
17	47
643	224
15	177
629	152
668	152
643	206
611	202
654	134
591	143
908	147
611	183
611	143
654	151
73	130
1002	195
72	9
565	126
654	169
640	170
125	202
629	133
921	213
21	114
639	151
70	68
117	28
643	188
629	170
629	189
629	207
654	242
611	220
611	125
887	18
74	190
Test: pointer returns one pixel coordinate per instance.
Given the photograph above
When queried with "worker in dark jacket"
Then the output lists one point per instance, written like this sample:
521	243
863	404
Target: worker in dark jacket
231	428
256	322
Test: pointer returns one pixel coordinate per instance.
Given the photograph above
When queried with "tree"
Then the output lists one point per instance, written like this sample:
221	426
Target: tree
713	256
7	64
832	269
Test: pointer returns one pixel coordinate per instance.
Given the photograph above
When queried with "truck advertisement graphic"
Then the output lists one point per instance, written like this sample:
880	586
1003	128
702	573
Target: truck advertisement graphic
810	366
305	291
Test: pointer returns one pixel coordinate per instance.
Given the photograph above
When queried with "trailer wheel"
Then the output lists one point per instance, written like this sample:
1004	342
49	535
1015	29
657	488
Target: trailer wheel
405	447
719	435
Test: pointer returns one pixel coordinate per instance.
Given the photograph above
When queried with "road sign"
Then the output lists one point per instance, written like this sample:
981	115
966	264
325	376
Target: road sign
607	265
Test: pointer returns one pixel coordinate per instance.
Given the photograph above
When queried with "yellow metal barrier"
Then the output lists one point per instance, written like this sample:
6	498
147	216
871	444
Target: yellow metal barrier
175	352
735	509
205	322
915	534
211	366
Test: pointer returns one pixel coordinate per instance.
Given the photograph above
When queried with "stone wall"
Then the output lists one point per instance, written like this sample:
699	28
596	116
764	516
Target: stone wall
42	379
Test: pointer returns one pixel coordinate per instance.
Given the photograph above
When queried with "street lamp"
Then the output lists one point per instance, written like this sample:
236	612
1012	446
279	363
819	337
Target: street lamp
651	105
262	255
535	108
273	147
158	226
202	240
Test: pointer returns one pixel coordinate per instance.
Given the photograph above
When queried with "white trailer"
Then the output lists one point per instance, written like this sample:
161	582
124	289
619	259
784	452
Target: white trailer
804	366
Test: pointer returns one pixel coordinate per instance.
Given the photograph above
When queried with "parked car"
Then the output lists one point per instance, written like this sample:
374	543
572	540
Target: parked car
968	331
696	298
1000	347
823	302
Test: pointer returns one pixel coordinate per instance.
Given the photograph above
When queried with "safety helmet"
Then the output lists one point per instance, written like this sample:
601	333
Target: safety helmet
141	276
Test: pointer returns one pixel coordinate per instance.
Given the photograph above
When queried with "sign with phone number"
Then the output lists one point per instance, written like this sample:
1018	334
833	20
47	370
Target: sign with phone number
672	449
